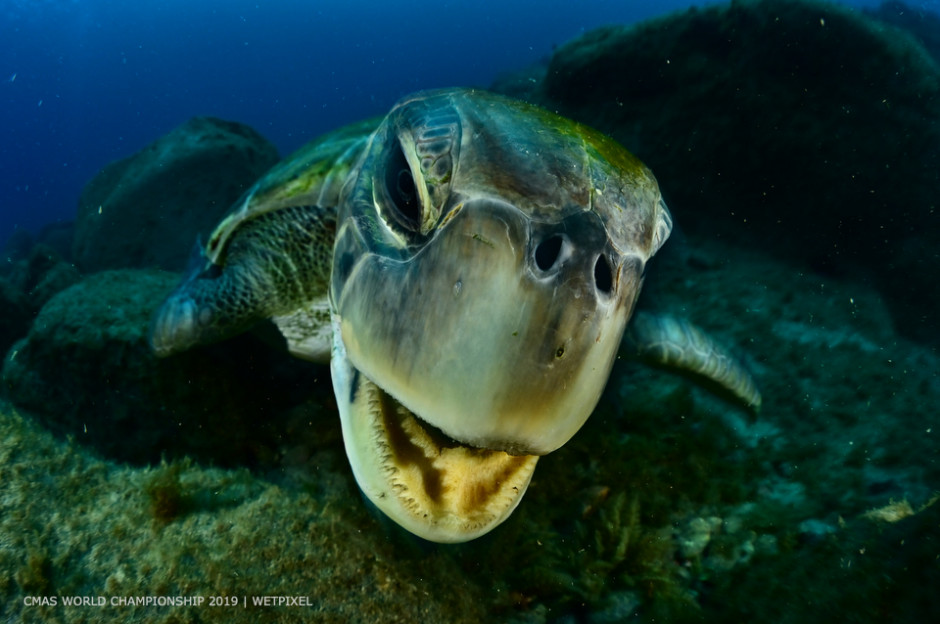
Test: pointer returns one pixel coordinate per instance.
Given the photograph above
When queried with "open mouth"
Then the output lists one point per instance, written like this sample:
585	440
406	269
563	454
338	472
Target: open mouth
430	484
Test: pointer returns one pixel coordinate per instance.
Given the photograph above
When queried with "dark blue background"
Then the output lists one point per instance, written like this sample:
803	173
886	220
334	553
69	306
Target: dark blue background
97	80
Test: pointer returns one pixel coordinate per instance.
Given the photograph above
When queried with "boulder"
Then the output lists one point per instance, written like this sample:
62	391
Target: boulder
146	211
15	248
86	370
805	129
921	23
14	322
60	236
28	283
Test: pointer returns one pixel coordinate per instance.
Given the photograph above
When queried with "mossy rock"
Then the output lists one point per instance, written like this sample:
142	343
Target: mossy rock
802	128
145	211
87	370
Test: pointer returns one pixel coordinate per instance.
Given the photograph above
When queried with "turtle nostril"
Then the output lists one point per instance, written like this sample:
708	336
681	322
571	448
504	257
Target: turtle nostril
603	278
547	252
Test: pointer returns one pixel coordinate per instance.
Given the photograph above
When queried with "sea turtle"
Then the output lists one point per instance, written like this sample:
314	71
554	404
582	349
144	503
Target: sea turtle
468	264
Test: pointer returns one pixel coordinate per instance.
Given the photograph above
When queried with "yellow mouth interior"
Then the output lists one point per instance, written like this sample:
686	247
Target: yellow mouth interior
430	484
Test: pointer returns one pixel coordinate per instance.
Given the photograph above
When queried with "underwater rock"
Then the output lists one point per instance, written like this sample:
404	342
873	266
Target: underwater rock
920	22
760	118
28	284
42	275
14	322
86	370
146	211
16	248
521	83
870	571
59	236
72	523
694	537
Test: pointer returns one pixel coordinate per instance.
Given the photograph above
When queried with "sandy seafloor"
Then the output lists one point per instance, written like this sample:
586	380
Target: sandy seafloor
670	503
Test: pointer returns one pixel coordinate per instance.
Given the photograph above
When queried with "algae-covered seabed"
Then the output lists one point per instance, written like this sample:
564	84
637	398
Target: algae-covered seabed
670	505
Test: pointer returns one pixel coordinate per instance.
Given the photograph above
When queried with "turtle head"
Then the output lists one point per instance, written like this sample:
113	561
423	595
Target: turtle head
487	259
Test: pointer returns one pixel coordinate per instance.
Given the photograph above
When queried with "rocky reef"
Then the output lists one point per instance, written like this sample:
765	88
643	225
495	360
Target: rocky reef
794	143
145	211
87	371
923	24
33	273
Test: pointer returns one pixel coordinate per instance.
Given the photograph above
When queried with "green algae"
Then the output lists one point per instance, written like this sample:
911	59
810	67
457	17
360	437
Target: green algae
94	533
168	498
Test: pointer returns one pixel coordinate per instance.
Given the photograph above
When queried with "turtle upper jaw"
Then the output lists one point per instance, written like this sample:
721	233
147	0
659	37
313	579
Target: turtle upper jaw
431	485
498	331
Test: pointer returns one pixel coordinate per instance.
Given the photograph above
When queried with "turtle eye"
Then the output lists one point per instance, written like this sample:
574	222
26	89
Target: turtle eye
401	189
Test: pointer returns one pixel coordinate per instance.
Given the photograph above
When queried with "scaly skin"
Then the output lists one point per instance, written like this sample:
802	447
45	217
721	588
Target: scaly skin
279	262
677	344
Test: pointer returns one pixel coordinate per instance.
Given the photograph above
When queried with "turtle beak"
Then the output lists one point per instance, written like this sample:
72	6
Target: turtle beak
504	328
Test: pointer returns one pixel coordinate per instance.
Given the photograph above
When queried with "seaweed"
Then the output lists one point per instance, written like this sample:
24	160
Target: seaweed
168	497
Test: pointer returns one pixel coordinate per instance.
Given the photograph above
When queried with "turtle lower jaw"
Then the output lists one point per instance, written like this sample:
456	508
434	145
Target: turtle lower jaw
433	486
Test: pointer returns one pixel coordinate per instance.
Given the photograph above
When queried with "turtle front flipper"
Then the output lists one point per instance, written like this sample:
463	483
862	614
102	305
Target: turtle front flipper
275	265
678	345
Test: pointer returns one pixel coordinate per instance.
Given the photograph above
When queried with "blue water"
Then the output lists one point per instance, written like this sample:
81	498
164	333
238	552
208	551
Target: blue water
85	82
